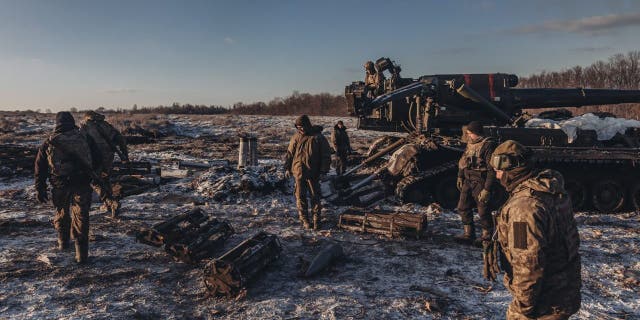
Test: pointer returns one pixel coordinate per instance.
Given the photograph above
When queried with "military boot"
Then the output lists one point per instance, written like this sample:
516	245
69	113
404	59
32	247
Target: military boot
63	241
114	205
468	236
82	251
316	221
304	220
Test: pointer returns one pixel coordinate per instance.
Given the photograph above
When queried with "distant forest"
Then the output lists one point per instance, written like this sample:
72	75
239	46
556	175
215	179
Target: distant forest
321	104
620	71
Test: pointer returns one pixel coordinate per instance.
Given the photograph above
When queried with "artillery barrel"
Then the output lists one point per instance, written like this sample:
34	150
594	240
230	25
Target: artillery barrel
554	98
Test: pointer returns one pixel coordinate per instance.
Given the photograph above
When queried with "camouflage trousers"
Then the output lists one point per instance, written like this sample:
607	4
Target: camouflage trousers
312	187
341	162
72	203
103	193
469	199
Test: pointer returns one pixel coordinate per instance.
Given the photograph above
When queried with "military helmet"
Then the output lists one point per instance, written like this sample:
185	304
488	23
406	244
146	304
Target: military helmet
510	155
65	118
303	121
475	127
368	65
92	115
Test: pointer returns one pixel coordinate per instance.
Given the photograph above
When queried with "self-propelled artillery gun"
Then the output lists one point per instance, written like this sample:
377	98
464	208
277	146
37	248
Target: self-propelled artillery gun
601	174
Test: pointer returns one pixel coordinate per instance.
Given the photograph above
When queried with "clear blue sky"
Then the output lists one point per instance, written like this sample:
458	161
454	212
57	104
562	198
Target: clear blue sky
86	54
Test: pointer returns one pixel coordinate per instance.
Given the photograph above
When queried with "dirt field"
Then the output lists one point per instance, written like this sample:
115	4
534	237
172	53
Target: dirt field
379	278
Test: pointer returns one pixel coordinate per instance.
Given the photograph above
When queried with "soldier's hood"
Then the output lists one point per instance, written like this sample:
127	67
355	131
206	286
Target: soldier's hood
338	128
548	181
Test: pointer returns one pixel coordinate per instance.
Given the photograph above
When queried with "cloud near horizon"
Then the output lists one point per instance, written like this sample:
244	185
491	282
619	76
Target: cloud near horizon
590	25
229	40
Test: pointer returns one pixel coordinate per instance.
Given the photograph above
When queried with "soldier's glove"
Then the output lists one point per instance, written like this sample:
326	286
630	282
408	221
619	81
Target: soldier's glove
459	183
490	251
484	196
42	195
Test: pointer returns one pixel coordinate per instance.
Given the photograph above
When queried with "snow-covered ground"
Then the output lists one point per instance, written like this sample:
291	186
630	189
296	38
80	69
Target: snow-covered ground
379	278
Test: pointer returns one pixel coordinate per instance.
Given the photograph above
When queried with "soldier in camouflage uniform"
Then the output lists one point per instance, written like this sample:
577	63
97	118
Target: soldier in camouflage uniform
476	183
109	141
65	159
373	80
308	157
341	146
538	236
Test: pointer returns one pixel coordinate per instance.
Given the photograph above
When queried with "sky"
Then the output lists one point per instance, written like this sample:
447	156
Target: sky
114	54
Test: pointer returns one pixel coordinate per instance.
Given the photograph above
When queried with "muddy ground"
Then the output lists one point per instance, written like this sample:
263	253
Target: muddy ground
379	278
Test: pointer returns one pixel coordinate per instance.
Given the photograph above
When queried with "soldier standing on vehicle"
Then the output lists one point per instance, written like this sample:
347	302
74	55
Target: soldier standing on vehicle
373	80
341	146
538	236
475	183
308	158
66	159
109	141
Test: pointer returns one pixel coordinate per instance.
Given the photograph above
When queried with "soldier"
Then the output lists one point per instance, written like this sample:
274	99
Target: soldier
341	146
308	157
66	159
373	80
475	182
538	236
109	141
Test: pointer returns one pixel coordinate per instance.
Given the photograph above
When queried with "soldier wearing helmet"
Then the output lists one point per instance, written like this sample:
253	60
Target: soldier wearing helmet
66	159
109	141
476	183
373	80
341	146
538	236
308	157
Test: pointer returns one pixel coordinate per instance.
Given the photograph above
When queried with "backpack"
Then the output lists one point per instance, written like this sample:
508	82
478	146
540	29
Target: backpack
62	164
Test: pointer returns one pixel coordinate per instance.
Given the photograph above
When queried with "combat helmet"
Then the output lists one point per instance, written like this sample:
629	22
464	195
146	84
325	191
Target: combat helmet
510	155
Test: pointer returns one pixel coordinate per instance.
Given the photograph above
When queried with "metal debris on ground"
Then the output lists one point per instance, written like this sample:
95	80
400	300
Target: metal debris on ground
229	274
327	255
16	160
226	183
203	165
189	237
390	224
135	177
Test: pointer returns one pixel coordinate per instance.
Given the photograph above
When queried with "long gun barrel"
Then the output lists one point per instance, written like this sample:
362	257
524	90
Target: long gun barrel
555	98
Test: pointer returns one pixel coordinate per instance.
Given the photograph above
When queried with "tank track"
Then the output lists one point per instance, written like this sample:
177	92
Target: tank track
416	188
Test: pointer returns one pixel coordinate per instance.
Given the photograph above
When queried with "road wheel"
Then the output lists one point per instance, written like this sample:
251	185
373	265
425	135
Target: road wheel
634	194
447	193
578	193
607	196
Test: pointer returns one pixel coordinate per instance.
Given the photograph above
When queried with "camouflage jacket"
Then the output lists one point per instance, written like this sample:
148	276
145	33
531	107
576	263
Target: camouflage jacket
374	82
474	163
340	140
540	241
107	138
308	155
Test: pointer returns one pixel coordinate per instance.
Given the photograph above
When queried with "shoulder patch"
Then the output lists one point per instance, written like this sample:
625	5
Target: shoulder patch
520	235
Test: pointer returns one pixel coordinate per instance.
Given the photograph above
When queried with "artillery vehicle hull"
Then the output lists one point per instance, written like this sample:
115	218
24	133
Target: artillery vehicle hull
599	175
